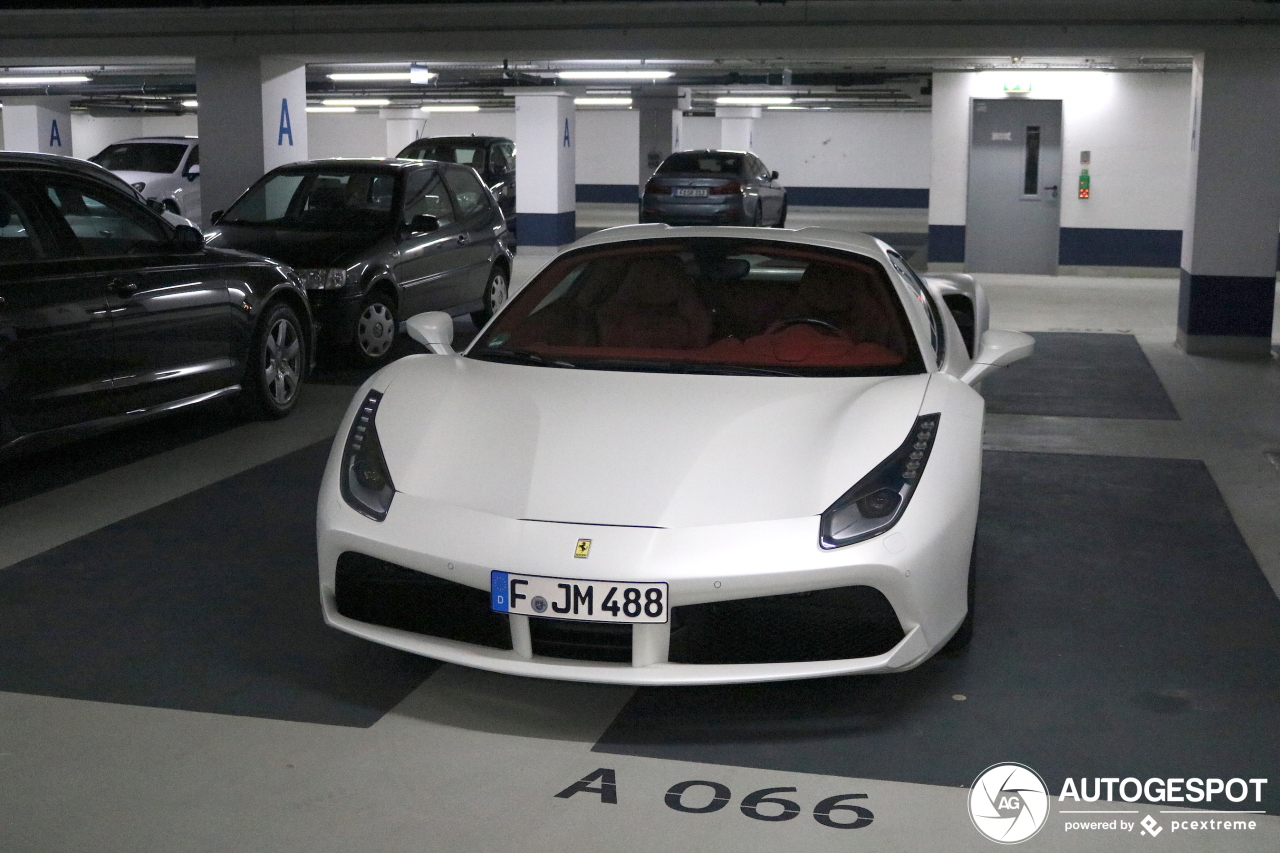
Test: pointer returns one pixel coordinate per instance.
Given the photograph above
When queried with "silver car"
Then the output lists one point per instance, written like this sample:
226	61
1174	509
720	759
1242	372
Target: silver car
714	188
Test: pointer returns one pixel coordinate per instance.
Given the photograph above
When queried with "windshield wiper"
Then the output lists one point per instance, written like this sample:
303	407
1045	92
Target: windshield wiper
735	370
518	356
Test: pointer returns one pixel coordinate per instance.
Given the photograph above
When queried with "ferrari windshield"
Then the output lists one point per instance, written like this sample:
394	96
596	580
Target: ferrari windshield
328	200
708	305
162	157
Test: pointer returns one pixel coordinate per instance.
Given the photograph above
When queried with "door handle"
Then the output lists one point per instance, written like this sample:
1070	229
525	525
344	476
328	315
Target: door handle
462	239
1055	190
122	287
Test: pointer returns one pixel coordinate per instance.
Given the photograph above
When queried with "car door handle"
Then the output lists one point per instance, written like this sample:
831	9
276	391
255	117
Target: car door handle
462	239
122	287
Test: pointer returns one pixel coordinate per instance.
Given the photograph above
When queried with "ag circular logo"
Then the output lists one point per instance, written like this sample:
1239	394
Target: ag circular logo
1008	803
539	604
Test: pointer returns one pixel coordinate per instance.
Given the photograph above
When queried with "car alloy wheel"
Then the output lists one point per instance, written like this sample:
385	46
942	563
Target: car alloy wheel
496	293
283	367
375	329
277	363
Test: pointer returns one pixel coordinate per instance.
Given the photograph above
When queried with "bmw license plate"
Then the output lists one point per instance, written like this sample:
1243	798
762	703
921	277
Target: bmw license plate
700	192
585	601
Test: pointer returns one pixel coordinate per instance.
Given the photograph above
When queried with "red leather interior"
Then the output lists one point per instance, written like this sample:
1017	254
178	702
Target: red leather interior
656	305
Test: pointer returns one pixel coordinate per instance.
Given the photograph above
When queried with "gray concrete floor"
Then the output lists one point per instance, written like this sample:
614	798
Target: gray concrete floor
471	761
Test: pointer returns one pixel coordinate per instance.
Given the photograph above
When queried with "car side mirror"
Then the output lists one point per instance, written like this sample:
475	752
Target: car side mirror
998	348
187	239
193	172
423	223
434	330
773	176
215	217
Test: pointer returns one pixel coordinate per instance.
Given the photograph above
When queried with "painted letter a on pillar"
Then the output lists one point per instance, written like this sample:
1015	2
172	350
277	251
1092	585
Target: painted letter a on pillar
285	126
55	138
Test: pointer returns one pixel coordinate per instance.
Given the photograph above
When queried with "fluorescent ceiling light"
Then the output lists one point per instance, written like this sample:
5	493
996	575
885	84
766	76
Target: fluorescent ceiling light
331	109
359	76
450	108
419	75
614	75
602	102
191	104
356	102
69	78
786	107
752	101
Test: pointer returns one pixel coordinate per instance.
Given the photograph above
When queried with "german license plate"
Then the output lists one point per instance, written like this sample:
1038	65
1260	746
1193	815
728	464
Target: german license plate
700	192
582	600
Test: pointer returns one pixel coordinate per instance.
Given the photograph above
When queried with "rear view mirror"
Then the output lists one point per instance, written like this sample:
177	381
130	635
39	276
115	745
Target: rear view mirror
998	348
433	329
773	176
193	172
423	223
187	239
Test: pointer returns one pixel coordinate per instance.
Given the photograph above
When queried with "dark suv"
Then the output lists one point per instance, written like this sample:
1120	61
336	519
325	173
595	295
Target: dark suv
375	242
494	157
109	314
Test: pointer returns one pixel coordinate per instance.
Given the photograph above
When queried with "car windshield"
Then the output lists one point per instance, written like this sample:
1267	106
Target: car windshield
468	154
325	200
708	305
163	157
703	163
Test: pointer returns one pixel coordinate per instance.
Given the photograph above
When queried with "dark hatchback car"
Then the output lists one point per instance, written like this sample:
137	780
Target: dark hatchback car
109	314
375	242
714	188
494	157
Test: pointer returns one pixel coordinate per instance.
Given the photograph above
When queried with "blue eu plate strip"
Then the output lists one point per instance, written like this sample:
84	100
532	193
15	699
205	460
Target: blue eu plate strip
498	590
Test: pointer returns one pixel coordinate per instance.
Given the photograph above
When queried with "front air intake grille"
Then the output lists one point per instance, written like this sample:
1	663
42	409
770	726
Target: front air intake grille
590	641
830	624
381	593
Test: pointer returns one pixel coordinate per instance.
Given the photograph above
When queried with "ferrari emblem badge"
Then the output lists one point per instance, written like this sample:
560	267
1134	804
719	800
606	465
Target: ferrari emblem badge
583	549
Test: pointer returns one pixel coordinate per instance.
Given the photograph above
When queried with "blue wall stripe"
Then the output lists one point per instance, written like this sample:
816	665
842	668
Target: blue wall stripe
547	229
812	196
1226	304
946	244
1119	247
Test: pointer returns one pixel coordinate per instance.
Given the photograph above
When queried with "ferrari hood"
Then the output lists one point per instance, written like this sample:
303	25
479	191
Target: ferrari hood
636	449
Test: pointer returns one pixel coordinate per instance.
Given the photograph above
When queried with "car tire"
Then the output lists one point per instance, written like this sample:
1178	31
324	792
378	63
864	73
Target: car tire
782	216
375	332
275	364
960	639
496	292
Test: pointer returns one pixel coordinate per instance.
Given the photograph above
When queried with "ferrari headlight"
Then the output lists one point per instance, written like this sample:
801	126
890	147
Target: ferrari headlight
366	483
878	500
323	279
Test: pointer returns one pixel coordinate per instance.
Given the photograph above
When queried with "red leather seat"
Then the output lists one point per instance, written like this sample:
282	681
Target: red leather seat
656	306
850	299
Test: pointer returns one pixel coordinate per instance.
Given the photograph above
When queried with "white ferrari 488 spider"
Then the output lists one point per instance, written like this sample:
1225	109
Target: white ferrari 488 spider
676	456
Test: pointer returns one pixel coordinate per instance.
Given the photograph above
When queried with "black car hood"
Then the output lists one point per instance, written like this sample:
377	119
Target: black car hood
298	249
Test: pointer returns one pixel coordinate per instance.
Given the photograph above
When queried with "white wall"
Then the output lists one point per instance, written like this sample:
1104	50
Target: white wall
845	149
1136	126
90	134
608	146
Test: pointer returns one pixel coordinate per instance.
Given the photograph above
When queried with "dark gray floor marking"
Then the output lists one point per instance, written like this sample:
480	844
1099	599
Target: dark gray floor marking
207	603
1123	628
1083	375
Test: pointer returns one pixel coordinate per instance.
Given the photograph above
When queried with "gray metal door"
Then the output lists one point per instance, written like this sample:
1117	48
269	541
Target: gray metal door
1015	177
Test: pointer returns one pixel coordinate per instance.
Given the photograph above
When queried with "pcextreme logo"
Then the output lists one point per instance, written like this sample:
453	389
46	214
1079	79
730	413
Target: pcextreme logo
1009	803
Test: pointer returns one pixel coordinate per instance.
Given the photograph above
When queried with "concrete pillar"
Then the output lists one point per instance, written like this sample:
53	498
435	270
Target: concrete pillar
41	125
1228	284
403	127
736	126
256	119
661	111
545	194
